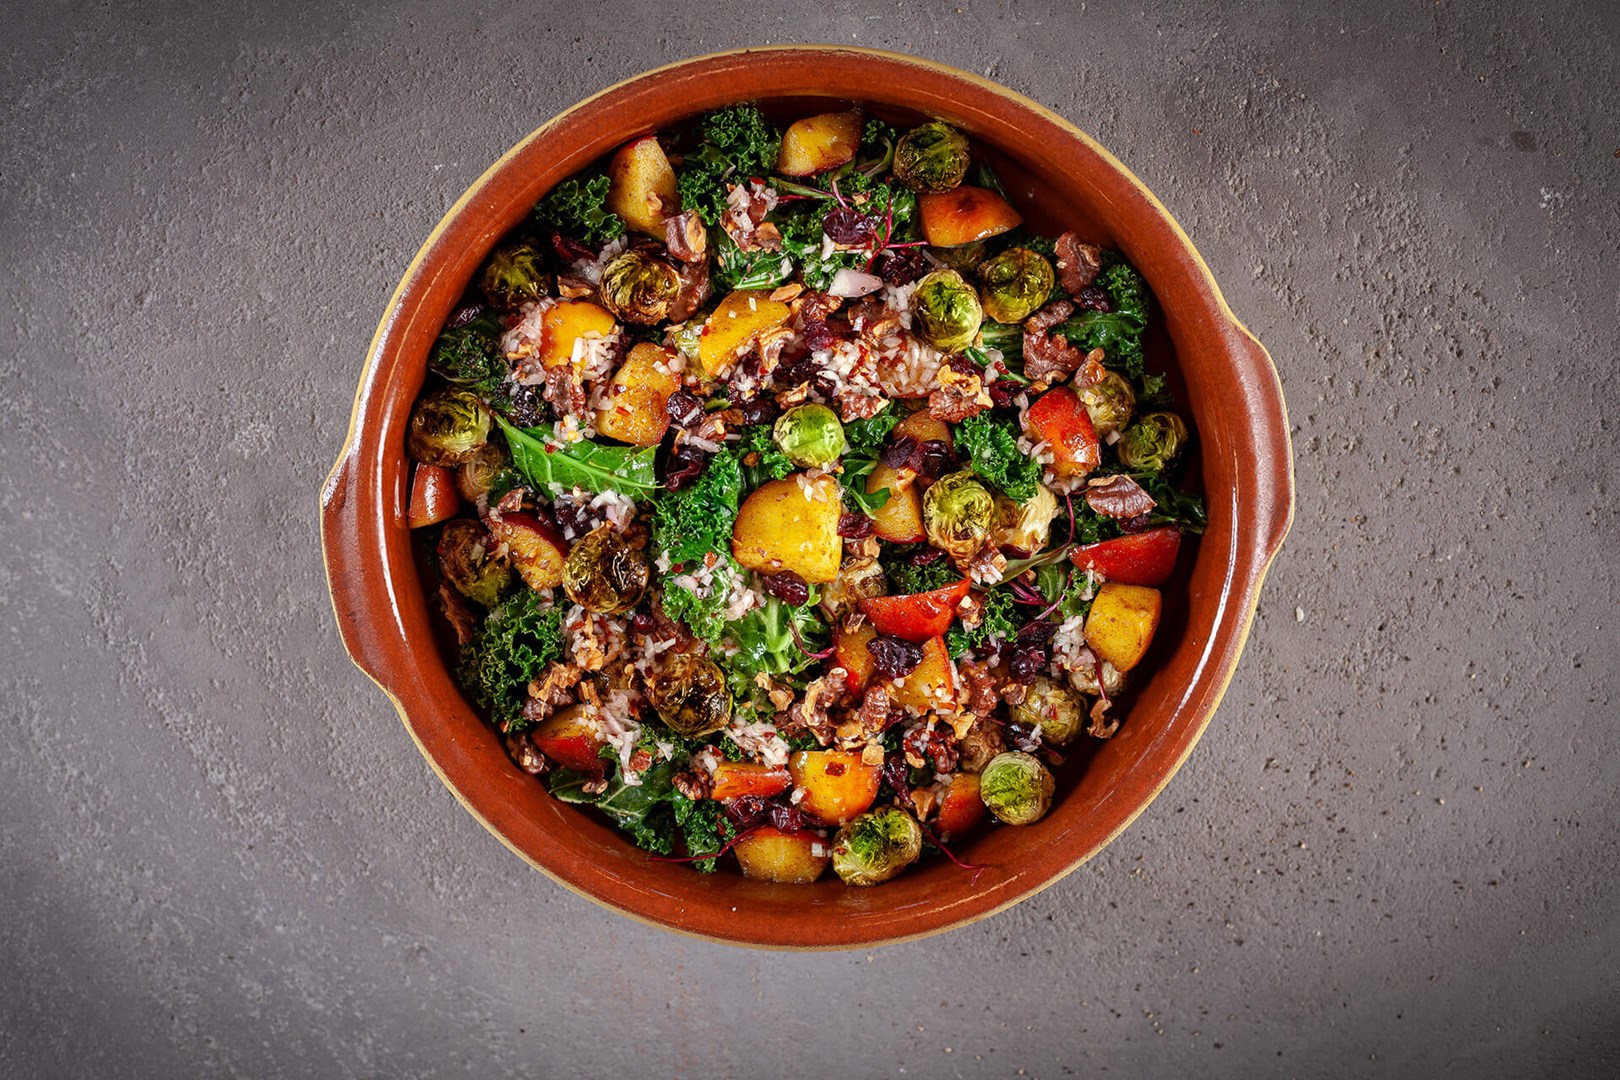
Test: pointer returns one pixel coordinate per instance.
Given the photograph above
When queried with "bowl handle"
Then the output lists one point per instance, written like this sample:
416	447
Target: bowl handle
1274	455
342	548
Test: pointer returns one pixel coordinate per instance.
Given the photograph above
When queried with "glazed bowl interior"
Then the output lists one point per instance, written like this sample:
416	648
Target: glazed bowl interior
1058	179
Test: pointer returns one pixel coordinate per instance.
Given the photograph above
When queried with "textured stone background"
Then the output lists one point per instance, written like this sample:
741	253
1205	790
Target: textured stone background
1394	853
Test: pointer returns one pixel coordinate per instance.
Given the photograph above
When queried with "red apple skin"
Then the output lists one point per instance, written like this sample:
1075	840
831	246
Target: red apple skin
1144	558
851	654
434	497
570	739
734	779
962	808
1059	418
537	548
916	617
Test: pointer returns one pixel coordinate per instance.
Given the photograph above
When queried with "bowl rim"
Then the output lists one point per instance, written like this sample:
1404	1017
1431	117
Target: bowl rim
356	609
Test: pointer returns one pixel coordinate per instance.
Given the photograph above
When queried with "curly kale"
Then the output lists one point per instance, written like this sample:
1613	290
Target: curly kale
737	143
905	578
579	209
1118	333
652	813
762	459
689	523
510	649
998	624
469	355
704	829
739	269
992	449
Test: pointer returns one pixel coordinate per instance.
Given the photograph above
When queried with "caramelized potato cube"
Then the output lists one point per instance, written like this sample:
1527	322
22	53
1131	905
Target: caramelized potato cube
838	785
818	143
637	408
641	186
734	327
1122	621
963	215
791	524
792	858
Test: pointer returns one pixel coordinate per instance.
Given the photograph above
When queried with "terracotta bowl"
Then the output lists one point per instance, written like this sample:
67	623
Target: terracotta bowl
1058	177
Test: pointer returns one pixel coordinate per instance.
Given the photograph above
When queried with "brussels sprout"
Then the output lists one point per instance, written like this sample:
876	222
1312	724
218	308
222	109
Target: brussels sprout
1153	441
876	846
1016	284
476	475
957	513
1026	526
933	157
689	694
962	257
811	436
1084	678
945	311
468	562
1057	709
514	275
1016	787
448	428
1109	402
640	288
604	573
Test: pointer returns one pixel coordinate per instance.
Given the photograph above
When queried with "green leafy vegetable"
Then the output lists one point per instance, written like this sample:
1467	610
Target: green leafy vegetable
868	436
579	209
689	523
769	463
866	439
737	143
1118	332
992	449
739	269
703	827
775	639
1064	586
704	615
904	578
469	355
996	625
512	647
592	466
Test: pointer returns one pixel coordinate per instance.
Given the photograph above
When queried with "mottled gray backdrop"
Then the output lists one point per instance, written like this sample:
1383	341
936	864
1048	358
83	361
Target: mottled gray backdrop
1394	853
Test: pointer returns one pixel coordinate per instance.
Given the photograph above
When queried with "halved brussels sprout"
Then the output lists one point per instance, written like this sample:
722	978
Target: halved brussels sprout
514	275
689	694
945	311
1110	402
933	157
876	846
1153	441
1057	708
1016	787
810	435
1084	678
958	511
448	428
604	573
468	562
476	475
1026	526
640	288
1016	284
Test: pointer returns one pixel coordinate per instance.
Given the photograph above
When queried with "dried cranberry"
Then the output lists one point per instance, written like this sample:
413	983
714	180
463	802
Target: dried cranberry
573	515
684	408
848	226
685	465
817	335
902	266
464	314
758	409
1001	394
1093	298
787	587
528	408
897	774
934	458
746	811
903	453
570	250
786	818
894	657
1139	523
1026	663
855	526
938	745
641	623
927	556
1039	633
801	372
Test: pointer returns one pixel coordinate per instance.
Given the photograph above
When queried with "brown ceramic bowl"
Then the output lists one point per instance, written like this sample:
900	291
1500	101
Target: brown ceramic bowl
1059	178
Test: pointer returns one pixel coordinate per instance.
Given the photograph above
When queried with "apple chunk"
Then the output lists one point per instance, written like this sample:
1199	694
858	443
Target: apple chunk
571	738
837	784
818	143
963	215
793	858
641	186
536	549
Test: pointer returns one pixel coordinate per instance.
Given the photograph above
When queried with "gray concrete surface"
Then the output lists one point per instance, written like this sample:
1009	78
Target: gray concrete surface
1394	853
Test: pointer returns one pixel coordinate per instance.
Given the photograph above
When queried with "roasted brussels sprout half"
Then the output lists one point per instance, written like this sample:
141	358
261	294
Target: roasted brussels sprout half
515	275
958	511
876	846
810	436
1016	284
933	157
1110	402
1084	678
640	288
945	311
468	562
689	694
1016	787
1153	441
448	428
603	573
1057	709
1026	526
476	475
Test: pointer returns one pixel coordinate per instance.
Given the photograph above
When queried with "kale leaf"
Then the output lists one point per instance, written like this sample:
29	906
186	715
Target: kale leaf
737	143
992	449
512	647
776	640
592	466
689	523
579	209
905	578
469	355
769	463
739	269
998	624
865	439
1117	332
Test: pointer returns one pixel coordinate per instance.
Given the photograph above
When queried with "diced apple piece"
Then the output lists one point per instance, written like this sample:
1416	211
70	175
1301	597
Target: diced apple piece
960	808
850	653
792	858
434	497
637	408
837	784
963	215
791	524
930	687
818	143
734	327
571	738
1144	558
923	426
1121	623
734	779
1059	419
566	322
641	186
536	549
918	616
899	520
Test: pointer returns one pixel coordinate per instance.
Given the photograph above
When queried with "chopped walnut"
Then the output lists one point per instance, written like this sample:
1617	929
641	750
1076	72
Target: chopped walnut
457	613
812	714
872	754
978	746
784	293
695	784
686	237
1014	693
594	787
1049	358
978	690
552	690
694	291
987	566
1077	263
572	288
525	755
813	306
1118	497
1048	317
1102	726
958	396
